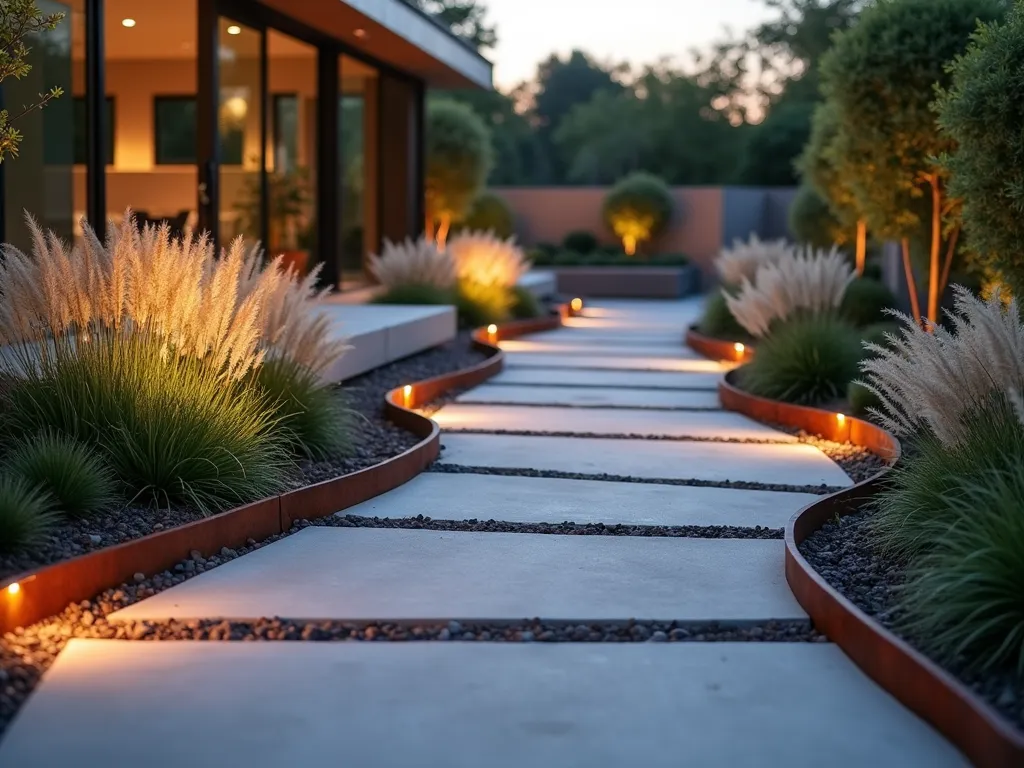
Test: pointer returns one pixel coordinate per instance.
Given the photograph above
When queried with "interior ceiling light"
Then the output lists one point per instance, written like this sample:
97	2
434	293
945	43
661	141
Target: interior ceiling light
360	33
234	29
128	23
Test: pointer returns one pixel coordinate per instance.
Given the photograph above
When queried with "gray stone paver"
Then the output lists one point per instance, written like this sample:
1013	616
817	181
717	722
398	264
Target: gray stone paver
609	350
553	500
611	421
619	362
591	396
784	464
464	705
552	375
374	573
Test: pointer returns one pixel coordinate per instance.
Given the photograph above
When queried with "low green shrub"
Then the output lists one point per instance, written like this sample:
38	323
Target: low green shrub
580	241
861	399
490	213
411	294
525	305
865	302
480	304
718	322
570	259
171	427
540	257
963	599
912	513
312	415
804	360
26	514
74	477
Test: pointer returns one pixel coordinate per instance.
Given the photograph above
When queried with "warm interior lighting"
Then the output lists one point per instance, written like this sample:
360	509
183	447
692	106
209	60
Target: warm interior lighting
739	348
576	304
360	33
234	29
840	419
13	589
128	23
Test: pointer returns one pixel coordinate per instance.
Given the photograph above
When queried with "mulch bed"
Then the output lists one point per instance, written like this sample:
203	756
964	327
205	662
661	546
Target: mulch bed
377	440
842	552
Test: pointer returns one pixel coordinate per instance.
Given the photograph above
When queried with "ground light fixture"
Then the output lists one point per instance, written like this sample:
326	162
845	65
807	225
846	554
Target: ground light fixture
234	29
128	23
407	394
840	419
492	332
13	588
576	304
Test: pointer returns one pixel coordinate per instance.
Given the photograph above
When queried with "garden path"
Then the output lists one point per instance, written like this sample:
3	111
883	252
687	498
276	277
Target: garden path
613	423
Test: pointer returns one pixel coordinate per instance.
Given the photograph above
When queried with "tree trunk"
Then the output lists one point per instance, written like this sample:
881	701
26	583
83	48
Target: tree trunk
428	227
442	231
935	268
948	266
862	246
915	304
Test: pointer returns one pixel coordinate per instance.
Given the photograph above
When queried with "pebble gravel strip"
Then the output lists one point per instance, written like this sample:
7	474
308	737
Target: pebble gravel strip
841	551
614	436
379	440
859	463
455	469
565	529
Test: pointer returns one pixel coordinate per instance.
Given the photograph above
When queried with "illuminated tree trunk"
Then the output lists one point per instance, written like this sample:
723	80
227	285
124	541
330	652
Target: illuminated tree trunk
948	266
428	228
442	231
862	246
935	268
915	304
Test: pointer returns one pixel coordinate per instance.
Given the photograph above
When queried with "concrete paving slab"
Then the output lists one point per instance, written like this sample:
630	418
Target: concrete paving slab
558	349
592	396
589	378
551	500
668	340
612	421
464	705
774	463
610	362
375	573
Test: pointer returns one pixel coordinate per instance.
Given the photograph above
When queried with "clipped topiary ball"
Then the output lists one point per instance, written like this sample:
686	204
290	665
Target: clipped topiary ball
490	213
458	158
805	360
638	209
865	302
812	221
718	321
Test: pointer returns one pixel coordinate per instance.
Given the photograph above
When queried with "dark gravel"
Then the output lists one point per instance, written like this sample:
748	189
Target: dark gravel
566	528
842	553
455	469
859	463
378	440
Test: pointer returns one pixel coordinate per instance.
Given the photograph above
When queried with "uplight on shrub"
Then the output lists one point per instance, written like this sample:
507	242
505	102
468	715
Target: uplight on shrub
637	209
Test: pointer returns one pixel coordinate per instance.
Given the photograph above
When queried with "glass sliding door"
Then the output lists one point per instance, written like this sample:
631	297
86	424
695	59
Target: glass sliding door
357	178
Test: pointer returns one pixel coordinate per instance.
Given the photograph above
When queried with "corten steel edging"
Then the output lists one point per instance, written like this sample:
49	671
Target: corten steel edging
920	684
48	590
717	349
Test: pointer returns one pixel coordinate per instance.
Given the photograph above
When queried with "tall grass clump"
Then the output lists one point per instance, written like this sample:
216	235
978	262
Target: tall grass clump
743	259
411	263
807	282
718	322
144	349
76	479
488	269
26	514
806	360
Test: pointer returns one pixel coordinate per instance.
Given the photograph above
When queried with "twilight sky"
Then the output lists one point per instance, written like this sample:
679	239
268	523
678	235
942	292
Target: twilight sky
636	30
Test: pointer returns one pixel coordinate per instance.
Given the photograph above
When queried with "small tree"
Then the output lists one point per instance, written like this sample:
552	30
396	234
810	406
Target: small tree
637	209
20	19
458	161
981	111
881	75
490	212
812	221
829	174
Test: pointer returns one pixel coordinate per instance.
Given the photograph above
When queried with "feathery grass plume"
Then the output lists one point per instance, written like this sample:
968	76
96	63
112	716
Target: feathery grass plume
486	260
931	379
413	262
804	281
140	282
26	514
744	258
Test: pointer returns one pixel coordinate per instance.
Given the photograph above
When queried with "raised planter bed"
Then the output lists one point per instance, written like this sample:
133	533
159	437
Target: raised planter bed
634	282
922	685
36	594
718	349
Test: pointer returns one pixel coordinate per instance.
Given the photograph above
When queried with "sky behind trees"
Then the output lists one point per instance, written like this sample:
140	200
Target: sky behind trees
638	31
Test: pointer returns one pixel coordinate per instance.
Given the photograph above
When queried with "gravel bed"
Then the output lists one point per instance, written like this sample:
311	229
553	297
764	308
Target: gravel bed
842	553
566	528
378	440
455	469
613	436
859	463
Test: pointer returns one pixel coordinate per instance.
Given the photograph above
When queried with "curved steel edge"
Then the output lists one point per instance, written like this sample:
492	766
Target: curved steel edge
920	684
717	349
49	590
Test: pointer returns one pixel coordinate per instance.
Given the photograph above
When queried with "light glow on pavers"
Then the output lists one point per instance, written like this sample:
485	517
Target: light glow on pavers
620	421
622	349
592	396
377	573
463	705
552	376
773	463
552	500
599	361
670	342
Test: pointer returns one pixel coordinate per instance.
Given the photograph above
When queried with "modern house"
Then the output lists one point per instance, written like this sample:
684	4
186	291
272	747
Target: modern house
299	122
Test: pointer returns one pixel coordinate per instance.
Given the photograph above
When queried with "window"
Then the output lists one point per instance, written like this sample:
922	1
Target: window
81	140
285	131
174	123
